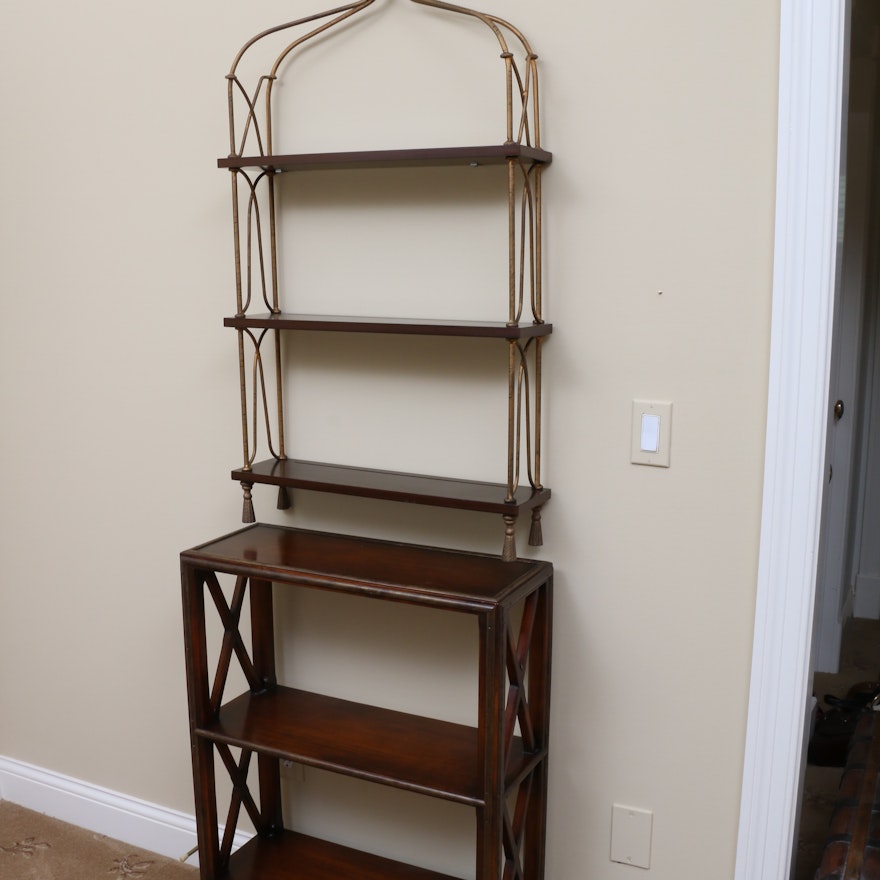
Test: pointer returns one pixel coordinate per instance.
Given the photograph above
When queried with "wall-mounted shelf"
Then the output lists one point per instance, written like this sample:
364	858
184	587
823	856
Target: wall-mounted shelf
255	164
403	326
431	157
393	486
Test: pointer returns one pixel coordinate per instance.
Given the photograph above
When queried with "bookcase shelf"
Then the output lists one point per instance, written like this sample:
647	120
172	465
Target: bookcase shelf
436	157
393	486
401	326
431	757
271	857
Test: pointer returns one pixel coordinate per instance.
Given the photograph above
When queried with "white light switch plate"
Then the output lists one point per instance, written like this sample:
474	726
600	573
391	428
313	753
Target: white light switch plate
651	432
631	830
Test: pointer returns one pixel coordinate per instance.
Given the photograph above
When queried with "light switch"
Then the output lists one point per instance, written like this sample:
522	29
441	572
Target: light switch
631	831
651	432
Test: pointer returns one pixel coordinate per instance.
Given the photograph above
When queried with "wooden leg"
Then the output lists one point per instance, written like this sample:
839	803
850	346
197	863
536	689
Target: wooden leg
263	640
539	707
195	643
490	817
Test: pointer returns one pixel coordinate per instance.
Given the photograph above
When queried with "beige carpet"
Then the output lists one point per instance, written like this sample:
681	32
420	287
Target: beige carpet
35	847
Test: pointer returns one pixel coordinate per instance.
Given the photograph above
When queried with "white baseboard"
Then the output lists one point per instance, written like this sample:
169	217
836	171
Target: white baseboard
140	823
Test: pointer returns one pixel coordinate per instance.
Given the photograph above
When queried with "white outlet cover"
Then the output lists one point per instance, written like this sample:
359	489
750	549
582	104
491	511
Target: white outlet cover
631	830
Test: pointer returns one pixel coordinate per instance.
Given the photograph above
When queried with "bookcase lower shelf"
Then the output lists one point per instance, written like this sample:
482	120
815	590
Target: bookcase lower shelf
287	854
498	767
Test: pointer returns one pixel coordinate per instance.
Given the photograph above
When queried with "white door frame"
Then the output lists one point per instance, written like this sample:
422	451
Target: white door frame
812	45
841	520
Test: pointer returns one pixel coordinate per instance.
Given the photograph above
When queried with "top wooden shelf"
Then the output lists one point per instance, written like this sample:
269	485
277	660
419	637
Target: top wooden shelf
493	154
409	573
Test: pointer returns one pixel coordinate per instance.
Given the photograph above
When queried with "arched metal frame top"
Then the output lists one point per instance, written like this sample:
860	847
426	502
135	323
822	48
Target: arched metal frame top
522	130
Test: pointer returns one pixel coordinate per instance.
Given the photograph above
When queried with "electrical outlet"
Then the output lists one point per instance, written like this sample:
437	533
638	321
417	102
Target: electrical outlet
631	830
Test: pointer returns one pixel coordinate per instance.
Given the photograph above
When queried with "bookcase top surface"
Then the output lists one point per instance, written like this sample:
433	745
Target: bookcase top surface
380	569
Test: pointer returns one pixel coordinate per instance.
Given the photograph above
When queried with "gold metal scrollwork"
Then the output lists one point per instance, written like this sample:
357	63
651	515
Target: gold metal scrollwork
254	203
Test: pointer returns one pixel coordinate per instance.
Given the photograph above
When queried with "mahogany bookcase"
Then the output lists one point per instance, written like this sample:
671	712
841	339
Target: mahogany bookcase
498	767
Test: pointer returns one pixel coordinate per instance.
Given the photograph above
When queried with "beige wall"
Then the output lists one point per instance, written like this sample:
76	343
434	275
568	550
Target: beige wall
119	402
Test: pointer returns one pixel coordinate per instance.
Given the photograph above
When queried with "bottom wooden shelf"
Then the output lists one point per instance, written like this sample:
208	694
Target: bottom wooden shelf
289	855
393	486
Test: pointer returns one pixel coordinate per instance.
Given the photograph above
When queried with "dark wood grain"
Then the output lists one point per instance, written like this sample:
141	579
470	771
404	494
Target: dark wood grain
425	755
380	569
494	154
393	486
401	326
485	767
292	856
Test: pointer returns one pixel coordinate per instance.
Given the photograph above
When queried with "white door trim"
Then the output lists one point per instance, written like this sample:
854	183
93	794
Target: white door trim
812	43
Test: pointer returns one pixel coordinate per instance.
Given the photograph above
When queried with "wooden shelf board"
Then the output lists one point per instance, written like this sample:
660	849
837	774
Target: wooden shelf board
393	486
424	755
494	154
410	573
407	326
288	854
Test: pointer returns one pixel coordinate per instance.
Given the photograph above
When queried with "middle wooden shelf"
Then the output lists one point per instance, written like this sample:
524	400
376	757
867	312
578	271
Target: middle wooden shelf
403	326
424	755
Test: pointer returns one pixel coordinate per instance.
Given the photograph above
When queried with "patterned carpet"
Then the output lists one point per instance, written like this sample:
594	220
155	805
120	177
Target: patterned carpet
35	847
859	661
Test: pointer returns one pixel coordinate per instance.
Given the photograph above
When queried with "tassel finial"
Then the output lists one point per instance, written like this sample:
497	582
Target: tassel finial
536	535
508	554
247	510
